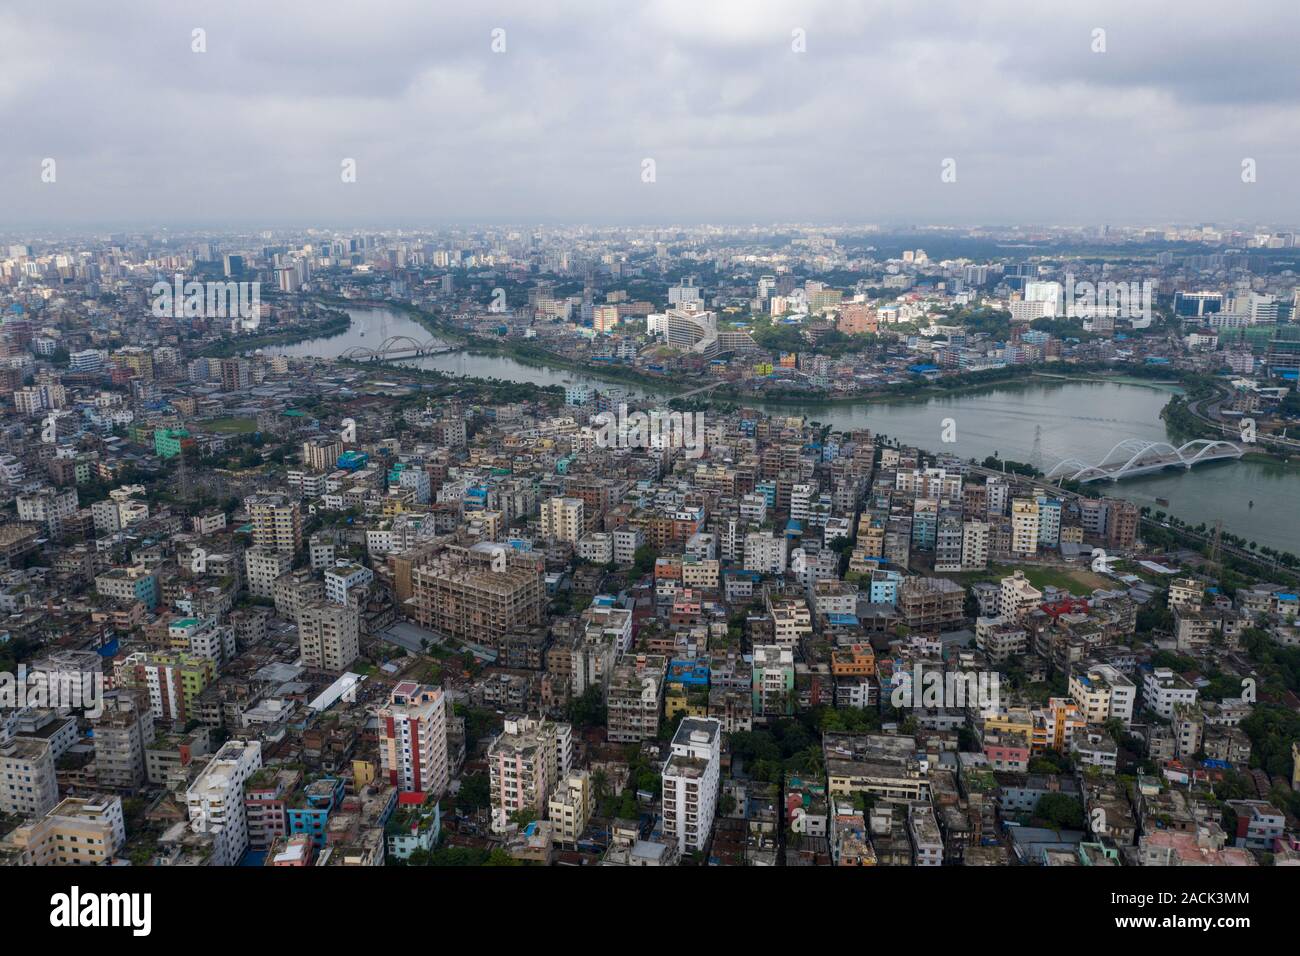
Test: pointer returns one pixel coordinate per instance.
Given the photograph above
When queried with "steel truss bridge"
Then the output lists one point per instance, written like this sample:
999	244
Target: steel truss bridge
396	347
1133	456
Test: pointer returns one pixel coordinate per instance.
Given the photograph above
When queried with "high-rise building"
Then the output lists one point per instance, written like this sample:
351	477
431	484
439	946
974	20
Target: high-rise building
478	594
1024	526
562	519
277	522
321	454
690	782
122	732
974	545
216	799
413	739
329	636
525	763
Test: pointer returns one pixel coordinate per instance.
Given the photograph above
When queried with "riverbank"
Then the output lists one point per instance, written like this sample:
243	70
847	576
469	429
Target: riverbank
336	325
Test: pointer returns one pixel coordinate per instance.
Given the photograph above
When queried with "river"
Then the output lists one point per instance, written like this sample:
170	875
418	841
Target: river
1040	422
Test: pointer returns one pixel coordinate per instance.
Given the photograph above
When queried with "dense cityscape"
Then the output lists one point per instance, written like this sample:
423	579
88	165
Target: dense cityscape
661	546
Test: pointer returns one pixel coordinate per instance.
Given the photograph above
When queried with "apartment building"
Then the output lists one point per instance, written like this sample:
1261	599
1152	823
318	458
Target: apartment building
931	603
329	636
562	519
773	681
28	787
1024	526
526	762
215	801
277	522
80	831
690	782
413	739
765	552
635	698
570	807
1017	597
262	568
122	733
1163	690
1103	693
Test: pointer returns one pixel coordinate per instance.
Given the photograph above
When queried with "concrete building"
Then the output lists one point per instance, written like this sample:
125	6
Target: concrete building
413	739
477	596
329	636
122	733
215	800
28	787
1163	690
525	763
277	522
571	807
80	831
562	519
690	782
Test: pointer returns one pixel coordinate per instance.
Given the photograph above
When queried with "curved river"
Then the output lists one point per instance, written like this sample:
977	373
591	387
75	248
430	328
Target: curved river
1041	422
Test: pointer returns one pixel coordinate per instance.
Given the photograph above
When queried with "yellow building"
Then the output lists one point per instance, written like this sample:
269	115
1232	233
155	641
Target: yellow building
78	832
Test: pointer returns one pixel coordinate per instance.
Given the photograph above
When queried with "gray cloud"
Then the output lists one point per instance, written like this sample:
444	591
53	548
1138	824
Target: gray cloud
742	129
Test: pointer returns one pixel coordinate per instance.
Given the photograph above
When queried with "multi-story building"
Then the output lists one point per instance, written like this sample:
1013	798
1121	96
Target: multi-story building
277	522
571	806
525	763
478	596
28	787
413	739
635	698
262	568
1017	597
174	681
690	782
80	831
215	800
329	636
765	552
1103	693
1024	526
562	518
773	681
1163	690
122	732
932	603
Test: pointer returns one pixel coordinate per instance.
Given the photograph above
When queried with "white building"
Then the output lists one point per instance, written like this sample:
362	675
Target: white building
1163	690
765	552
216	799
690	782
343	578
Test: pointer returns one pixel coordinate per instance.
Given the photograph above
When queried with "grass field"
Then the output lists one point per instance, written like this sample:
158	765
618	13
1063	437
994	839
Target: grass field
1079	581
231	426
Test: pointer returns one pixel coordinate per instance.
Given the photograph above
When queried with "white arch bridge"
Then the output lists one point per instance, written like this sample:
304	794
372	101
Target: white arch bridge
1134	456
396	347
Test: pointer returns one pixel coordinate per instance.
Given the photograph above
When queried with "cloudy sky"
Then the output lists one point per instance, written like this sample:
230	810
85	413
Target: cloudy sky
741	127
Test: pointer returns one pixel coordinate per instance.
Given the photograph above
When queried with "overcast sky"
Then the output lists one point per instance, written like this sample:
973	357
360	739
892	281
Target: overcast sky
741	127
